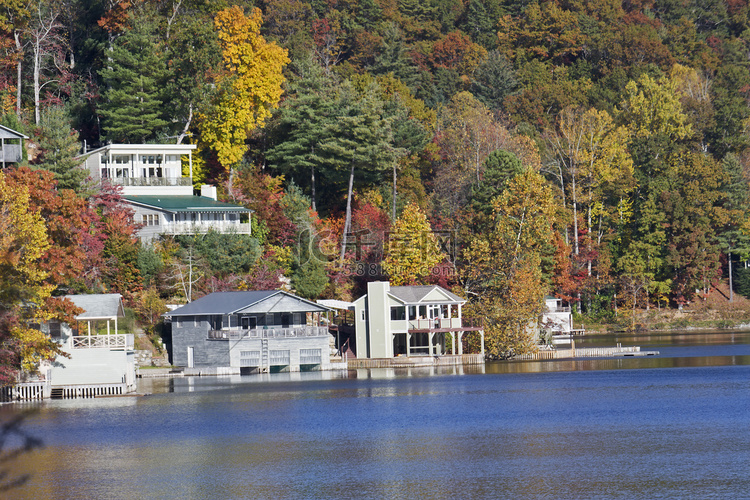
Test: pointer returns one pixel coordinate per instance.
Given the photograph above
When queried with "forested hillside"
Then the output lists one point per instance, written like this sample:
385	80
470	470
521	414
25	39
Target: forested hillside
596	151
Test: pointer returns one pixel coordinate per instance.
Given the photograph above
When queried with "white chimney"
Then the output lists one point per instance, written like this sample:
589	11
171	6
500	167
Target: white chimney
208	191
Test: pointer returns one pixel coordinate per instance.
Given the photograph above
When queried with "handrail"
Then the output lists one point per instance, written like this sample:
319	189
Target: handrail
151	181
443	323
116	341
268	333
204	226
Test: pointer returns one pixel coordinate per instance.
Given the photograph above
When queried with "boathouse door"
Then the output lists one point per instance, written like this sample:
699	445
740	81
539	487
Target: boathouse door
190	362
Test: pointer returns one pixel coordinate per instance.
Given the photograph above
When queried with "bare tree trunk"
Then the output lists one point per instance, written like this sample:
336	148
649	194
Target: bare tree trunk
393	215
575	215
19	63
37	88
731	291
348	220
187	125
312	186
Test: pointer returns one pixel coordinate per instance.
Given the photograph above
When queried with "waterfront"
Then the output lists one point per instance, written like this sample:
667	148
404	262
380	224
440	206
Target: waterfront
676	426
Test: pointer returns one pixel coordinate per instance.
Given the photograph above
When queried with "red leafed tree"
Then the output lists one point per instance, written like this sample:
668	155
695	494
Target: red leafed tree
369	225
73	259
263	193
120	252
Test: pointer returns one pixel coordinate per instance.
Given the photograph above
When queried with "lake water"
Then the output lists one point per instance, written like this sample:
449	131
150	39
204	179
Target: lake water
673	426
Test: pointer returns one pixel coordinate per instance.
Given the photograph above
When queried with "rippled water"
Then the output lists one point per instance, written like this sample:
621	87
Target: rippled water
676	426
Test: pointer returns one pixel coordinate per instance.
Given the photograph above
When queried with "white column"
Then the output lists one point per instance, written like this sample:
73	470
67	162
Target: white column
408	344
429	343
481	332
453	342
460	345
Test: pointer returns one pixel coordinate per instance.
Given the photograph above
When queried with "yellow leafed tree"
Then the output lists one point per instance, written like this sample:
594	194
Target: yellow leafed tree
23	242
413	250
248	88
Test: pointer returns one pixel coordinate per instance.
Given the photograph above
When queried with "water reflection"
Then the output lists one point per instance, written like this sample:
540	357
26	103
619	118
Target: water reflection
676	426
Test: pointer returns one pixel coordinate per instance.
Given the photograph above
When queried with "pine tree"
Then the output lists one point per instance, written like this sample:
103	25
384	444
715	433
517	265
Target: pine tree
58	146
134	77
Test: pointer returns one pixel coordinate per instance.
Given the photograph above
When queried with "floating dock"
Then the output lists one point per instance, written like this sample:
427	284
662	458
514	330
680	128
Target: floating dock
586	352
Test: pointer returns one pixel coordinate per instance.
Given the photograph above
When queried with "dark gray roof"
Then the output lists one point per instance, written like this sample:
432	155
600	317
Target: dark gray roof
231	302
414	294
98	306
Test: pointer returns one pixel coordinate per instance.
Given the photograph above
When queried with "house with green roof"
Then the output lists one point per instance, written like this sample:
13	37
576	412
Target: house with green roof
154	184
159	214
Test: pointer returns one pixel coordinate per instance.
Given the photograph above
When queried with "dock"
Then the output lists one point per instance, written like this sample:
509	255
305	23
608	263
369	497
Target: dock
413	361
586	352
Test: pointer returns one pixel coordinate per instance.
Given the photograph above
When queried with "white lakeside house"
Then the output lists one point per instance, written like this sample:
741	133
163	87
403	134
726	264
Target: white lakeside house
153	184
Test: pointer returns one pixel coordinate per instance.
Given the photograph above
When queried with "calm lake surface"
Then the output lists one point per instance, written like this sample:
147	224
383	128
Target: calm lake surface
673	426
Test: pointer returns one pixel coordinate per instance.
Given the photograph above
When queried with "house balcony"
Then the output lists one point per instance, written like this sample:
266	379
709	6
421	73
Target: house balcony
269	333
444	325
203	227
116	342
150	181
10	153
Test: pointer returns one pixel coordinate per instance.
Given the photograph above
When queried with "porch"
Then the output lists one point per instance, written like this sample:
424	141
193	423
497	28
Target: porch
175	228
118	341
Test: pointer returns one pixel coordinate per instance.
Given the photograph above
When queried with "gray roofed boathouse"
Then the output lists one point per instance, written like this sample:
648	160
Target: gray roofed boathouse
250	331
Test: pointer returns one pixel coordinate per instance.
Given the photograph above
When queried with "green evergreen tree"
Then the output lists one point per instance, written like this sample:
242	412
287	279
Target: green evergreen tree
58	148
480	22
392	56
134	78
494	80
301	125
500	168
309	277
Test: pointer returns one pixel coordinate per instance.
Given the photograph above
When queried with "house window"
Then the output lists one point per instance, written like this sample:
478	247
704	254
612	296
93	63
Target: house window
178	322
364	315
412	312
54	330
398	313
249	323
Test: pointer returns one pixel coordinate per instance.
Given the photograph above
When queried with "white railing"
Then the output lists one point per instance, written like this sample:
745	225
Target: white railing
442	323
117	341
558	309
38	389
269	333
150	181
205	226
